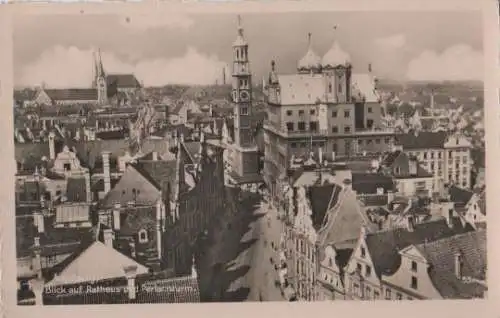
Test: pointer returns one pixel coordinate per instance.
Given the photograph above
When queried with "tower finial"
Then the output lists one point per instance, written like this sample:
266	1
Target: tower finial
240	27
309	42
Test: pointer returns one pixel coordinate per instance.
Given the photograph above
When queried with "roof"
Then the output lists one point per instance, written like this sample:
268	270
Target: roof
85	268
24	95
344	221
441	256
368	183
72	94
363	85
459	195
384	246
422	140
76	190
399	164
123	81
322	198
160	173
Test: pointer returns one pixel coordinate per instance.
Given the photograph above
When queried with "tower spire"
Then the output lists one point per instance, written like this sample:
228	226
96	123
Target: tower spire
309	40
101	68
240	28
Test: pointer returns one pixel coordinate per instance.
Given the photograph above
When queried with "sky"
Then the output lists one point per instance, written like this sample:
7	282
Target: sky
193	49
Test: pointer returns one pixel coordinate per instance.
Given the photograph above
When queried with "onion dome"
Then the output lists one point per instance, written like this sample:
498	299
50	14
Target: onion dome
311	61
335	57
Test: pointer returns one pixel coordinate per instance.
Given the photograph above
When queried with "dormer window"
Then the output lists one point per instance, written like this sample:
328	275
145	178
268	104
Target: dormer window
67	167
143	236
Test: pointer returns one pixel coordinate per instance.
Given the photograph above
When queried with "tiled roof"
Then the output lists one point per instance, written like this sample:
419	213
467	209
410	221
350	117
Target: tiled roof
398	163
459	195
160	173
384	246
98	185
344	221
368	183
72	94
441	256
423	140
76	190
123	80
134	186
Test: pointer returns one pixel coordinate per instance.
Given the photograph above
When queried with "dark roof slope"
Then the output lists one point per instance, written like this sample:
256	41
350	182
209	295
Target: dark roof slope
123	80
76	190
368	183
459	195
441	255
72	94
423	140
321	199
384	246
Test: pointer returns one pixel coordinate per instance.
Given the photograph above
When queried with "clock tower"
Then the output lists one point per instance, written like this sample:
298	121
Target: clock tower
244	152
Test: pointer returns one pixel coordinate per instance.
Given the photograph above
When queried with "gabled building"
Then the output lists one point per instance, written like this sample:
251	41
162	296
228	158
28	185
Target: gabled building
377	254
471	205
410	178
448	268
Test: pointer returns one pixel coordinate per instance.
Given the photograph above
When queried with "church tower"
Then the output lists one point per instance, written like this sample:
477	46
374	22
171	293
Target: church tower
100	81
245	157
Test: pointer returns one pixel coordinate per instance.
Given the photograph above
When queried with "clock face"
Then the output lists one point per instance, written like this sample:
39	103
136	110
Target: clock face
245	96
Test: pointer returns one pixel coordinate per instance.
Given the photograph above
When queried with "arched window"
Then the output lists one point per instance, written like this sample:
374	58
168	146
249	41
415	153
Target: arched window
143	236
330	88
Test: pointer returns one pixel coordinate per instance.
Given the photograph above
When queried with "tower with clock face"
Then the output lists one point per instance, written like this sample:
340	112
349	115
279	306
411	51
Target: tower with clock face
245	153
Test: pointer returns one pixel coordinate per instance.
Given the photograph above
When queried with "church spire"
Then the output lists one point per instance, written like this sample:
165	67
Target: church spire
100	69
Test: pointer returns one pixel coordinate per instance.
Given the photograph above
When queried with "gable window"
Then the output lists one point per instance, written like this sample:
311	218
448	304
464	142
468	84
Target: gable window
358	267
330	263
67	167
143	236
368	271
399	296
363	252
413	266
414	282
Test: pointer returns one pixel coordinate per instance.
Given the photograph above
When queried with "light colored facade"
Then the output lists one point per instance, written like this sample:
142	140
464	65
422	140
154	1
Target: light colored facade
457	161
330	281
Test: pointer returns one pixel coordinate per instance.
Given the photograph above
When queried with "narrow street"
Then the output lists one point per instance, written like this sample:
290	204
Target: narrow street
241	268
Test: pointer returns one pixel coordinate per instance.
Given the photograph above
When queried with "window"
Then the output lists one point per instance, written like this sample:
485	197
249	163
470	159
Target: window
347	129
413	266
334	114
302	126
376	295
67	167
368	271
330	88
432	166
313	126
432	155
346	114
363	252
414	282
244	110
355	289
439	155
399	296
425	155
143	236
457	166
377	141
301	112
450	154
293	145
289	126
289	113
369	123
358	267
312	111
388	294
330	263
464	159
387	140
335	129
360	142
369	109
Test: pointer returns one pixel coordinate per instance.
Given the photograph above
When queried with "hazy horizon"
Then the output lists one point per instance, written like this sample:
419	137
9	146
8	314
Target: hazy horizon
401	46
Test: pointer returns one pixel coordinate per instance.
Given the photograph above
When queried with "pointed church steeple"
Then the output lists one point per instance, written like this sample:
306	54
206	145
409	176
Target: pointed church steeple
100	80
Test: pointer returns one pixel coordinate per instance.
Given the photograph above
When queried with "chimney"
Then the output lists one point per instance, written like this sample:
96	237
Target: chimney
459	263
412	166
108	237
155	156
390	197
410	225
130	274
116	217
39	221
52	147
107	172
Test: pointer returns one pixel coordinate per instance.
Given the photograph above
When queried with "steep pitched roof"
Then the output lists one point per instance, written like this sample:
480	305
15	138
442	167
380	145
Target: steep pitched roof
321	198
441	256
76	190
368	183
123	80
86	269
344	221
384	246
423	140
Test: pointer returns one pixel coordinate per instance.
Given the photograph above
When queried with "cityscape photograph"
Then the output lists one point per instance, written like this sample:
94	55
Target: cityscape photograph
249	157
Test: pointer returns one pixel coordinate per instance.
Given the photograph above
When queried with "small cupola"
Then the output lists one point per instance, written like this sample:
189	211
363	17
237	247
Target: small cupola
311	62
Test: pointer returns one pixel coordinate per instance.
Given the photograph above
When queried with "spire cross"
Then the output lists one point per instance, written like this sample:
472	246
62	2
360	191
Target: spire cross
309	35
